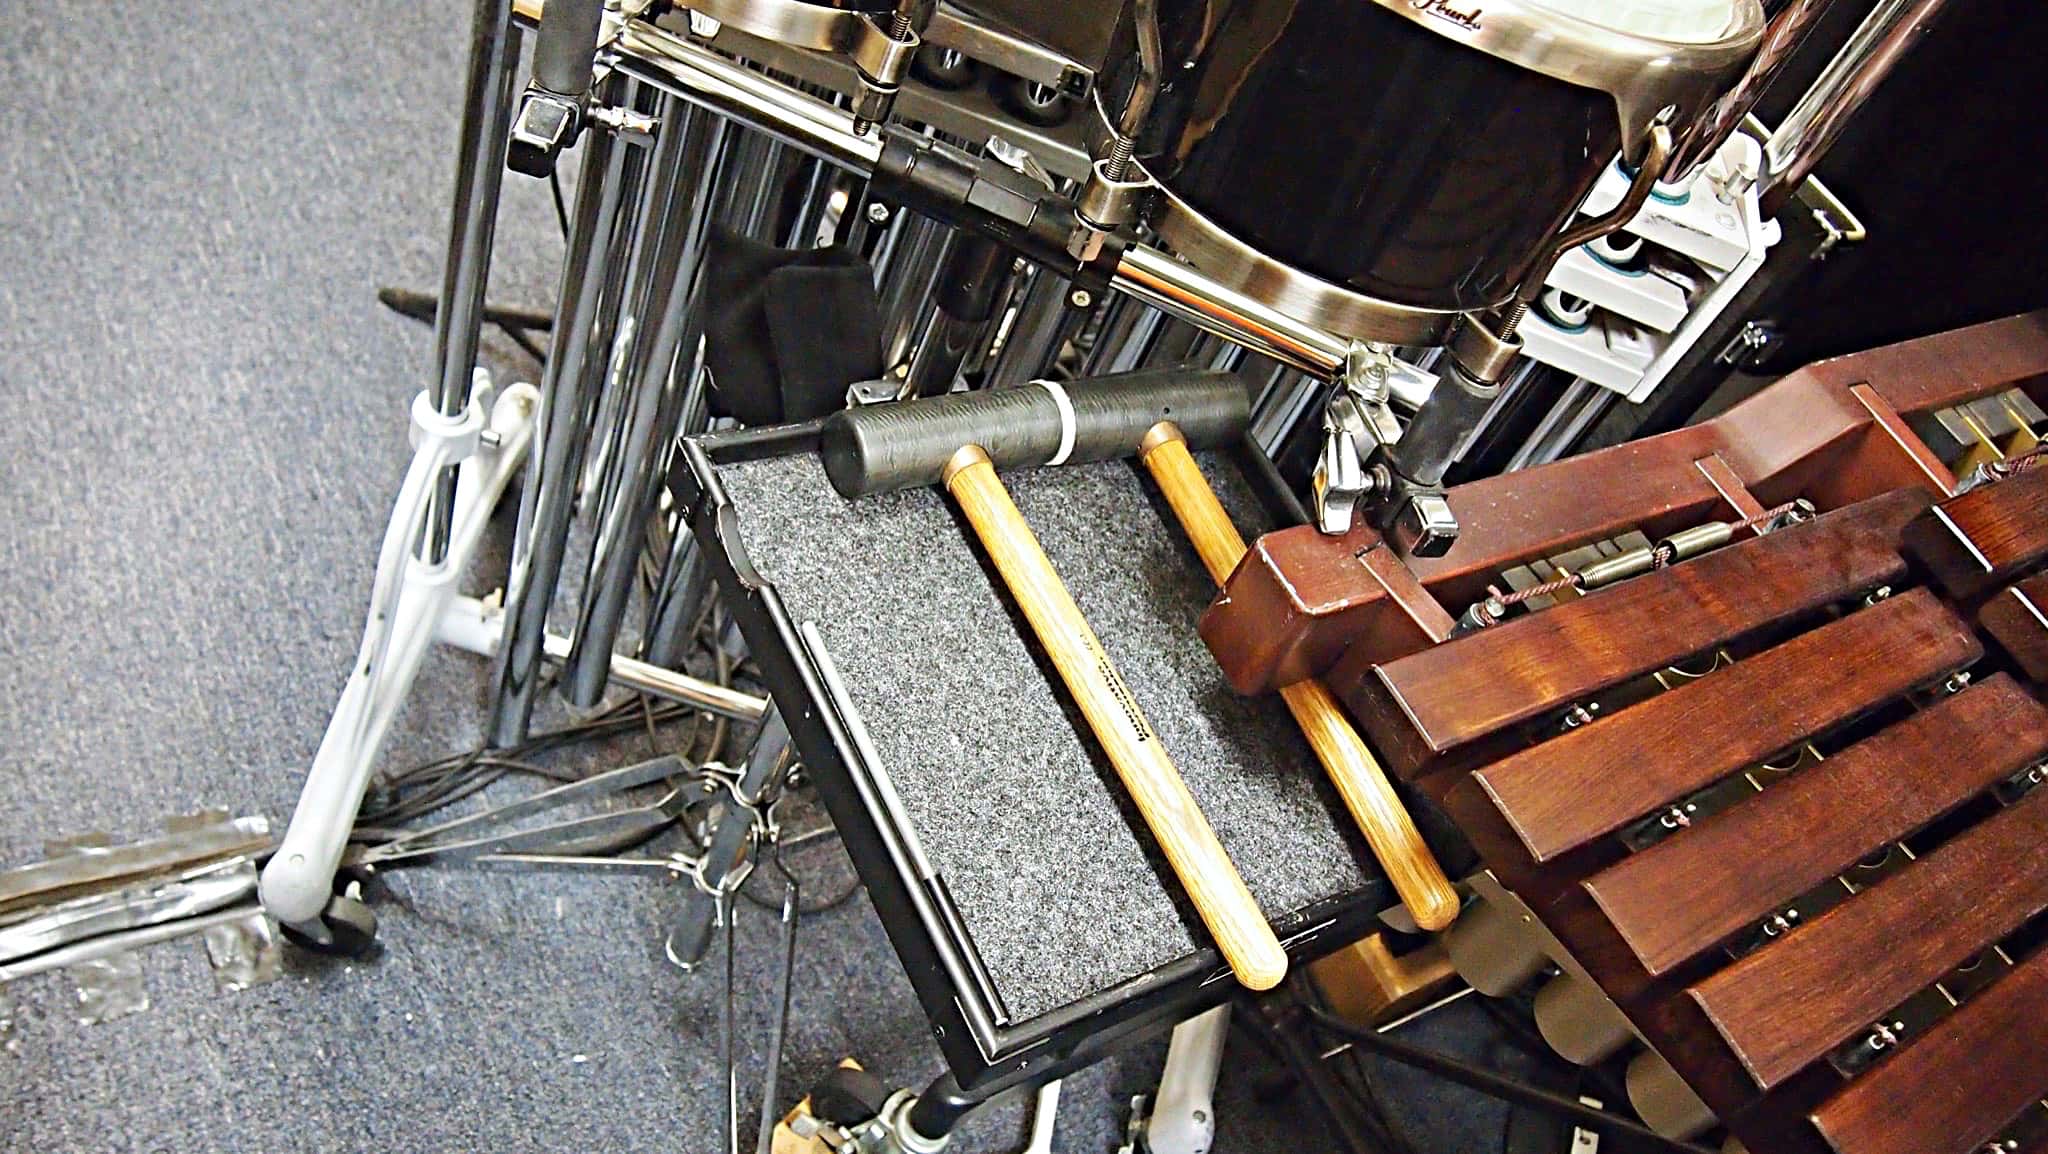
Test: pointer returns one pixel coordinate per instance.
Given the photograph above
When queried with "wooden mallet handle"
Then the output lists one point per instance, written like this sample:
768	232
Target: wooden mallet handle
1162	798
1358	777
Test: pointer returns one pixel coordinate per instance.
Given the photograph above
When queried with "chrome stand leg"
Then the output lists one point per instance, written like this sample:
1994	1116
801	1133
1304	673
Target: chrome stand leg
479	176
548	503
622	521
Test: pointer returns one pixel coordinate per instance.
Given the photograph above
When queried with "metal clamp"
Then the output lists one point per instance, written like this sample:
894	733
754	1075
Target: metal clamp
880	54
1358	423
880	62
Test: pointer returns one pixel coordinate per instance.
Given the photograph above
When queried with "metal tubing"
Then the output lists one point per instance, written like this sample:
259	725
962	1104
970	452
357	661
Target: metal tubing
1042	324
613	327
473	219
679	587
548	504
768	180
472	628
622	520
703	77
1429	445
908	272
563	51
1811	128
971	276
1787	32
1184	294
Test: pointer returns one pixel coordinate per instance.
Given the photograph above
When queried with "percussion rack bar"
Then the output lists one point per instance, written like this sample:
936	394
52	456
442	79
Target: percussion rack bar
704	77
646	423
547	504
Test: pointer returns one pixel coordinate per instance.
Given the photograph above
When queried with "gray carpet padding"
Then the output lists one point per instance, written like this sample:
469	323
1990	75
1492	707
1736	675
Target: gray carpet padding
1058	883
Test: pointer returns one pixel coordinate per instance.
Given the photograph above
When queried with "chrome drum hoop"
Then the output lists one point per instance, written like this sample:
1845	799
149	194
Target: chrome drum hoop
1288	290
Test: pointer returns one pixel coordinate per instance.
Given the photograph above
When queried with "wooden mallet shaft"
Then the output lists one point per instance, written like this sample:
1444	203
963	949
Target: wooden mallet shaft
1357	775
1198	859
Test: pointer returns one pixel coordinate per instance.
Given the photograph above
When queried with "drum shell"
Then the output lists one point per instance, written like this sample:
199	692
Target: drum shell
1345	141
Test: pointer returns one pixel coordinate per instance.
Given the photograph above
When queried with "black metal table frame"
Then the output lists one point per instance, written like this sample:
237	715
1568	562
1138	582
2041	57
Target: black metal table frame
985	1051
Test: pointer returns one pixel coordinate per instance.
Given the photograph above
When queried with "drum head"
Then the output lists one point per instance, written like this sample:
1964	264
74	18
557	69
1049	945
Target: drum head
1675	21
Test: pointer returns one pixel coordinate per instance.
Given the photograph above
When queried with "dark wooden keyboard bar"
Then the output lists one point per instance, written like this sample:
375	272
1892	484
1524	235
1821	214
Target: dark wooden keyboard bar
1680	897
1978	541
1483	683
1953	1090
1593	780
2018	620
1788	1004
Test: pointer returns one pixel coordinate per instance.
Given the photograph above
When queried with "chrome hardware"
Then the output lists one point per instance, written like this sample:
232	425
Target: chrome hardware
1425	526
1357	424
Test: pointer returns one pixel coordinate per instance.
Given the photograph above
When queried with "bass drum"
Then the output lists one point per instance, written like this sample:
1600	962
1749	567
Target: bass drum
1380	166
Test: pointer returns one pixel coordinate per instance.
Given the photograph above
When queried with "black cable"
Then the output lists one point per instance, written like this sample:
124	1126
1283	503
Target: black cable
561	205
1369	1099
518	335
407	794
1498	1086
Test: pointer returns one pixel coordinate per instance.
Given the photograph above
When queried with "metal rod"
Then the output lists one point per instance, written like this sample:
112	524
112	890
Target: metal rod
1043	323
672	686
473	219
622	521
729	1022
778	1026
612	335
548	503
679	587
1184	294
1496	1086
1891	30
909	269
469	626
703	77
1703	137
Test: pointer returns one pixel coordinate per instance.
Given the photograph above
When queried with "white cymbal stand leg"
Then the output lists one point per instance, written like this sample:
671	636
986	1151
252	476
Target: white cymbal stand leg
489	441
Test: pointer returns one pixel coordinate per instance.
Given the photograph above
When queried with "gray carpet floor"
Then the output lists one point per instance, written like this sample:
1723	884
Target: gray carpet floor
203	428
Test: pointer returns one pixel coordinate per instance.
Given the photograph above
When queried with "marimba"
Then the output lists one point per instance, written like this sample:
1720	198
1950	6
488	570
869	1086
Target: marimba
1743	724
